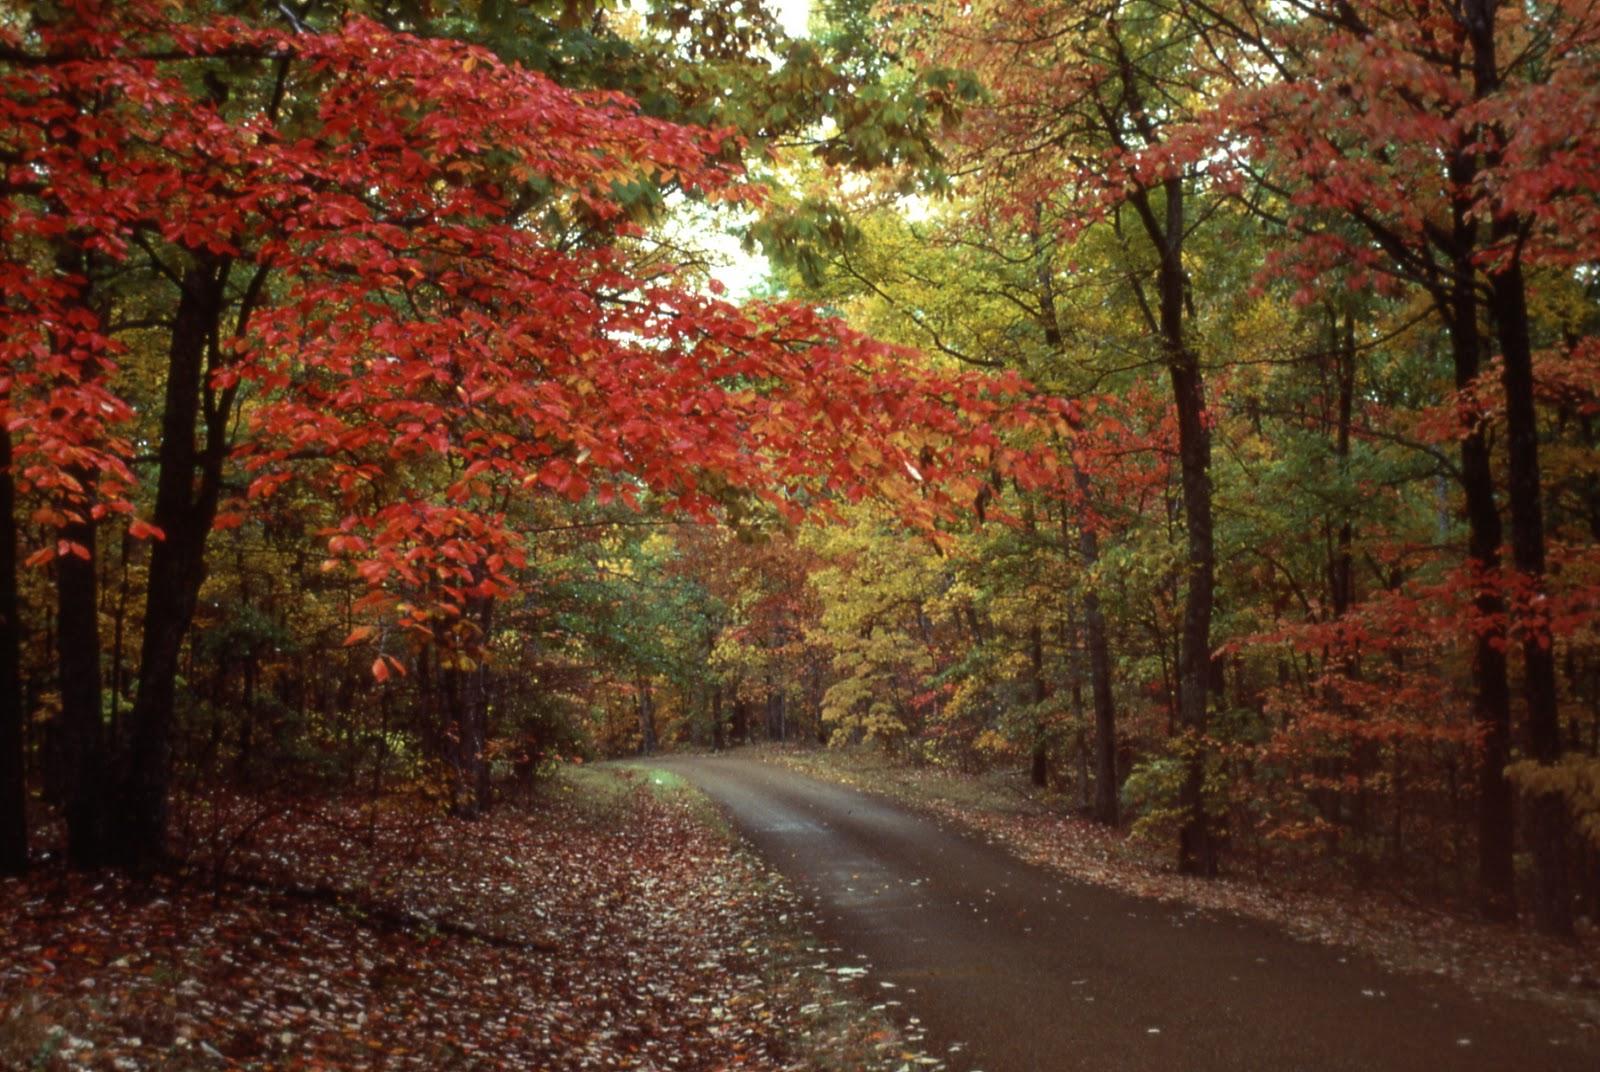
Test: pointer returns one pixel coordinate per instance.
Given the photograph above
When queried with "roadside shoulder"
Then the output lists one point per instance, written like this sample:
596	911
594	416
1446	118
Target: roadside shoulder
1487	959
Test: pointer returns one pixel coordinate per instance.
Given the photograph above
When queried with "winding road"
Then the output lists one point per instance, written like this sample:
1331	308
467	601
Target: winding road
1012	968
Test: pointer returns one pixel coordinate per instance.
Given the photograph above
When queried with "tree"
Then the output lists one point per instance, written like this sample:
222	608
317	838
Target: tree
1091	94
405	273
1445	204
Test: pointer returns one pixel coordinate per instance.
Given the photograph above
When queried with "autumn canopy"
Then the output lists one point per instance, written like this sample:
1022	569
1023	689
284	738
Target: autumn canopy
1193	403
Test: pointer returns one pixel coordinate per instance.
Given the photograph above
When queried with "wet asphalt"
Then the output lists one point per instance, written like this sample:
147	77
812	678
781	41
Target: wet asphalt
1011	968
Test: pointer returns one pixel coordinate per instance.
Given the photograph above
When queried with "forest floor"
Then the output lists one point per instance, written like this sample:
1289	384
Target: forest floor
1001	807
612	922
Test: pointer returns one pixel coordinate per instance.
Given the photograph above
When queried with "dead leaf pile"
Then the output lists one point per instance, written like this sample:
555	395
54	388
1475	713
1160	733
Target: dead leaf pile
565	936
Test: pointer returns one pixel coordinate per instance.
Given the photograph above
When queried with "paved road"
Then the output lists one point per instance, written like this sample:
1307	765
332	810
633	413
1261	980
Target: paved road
1029	972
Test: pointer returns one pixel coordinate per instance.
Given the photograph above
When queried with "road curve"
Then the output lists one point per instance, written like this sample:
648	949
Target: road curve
1025	971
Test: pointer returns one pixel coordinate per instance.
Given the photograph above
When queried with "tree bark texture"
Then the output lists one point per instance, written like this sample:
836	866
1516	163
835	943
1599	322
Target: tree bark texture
13	766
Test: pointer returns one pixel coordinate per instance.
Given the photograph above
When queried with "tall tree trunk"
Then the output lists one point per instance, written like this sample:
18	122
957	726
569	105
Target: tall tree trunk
1094	619
119	635
468	766
457	735
647	718
80	723
1508	306
467	701
1197	847
1098	647
187	489
774	712
1039	768
1552	899
717	741
80	727
1098	640
1492	709
481	781
13	766
1341	575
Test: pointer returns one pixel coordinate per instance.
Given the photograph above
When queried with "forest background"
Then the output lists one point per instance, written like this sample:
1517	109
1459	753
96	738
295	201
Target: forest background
1192	402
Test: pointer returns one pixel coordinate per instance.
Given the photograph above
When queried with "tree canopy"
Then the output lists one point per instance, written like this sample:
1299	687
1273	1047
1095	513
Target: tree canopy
1192	401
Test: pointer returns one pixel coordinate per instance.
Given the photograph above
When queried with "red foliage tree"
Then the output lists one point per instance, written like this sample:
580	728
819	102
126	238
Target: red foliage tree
405	272
1434	145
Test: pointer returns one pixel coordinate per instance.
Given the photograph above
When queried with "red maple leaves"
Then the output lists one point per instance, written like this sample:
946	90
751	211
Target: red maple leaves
438	300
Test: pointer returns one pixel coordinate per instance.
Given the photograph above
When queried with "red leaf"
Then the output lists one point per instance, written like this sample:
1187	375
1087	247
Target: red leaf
140	529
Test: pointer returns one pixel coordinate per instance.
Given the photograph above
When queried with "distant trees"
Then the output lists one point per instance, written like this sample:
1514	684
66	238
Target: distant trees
1366	231
362	424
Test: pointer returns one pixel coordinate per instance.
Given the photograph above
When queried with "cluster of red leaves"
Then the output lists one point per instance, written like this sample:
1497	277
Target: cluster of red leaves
1436	616
444	305
1362	77
629	936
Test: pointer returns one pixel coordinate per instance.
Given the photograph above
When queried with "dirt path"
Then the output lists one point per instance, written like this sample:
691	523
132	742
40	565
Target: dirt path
1027	972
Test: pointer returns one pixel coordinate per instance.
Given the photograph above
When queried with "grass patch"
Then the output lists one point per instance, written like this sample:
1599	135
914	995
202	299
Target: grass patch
593	787
606	784
603	788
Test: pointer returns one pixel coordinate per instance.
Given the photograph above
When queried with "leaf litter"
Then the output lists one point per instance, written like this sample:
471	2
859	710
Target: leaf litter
633	933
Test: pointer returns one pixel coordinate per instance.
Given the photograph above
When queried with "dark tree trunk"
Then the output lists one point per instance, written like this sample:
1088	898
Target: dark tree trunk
717	741
119	682
1341	575
1552	899
775	713
80	746
814	694
469	768
647	719
481	782
1107	784
466	739
1197	848
466	689
13	768
80	723
456	733
1496	823
1039	768
187	489
1094	619
478	714
1552	902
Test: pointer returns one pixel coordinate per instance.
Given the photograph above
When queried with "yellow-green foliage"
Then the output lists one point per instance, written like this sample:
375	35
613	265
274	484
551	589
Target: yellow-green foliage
1576	778
874	593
